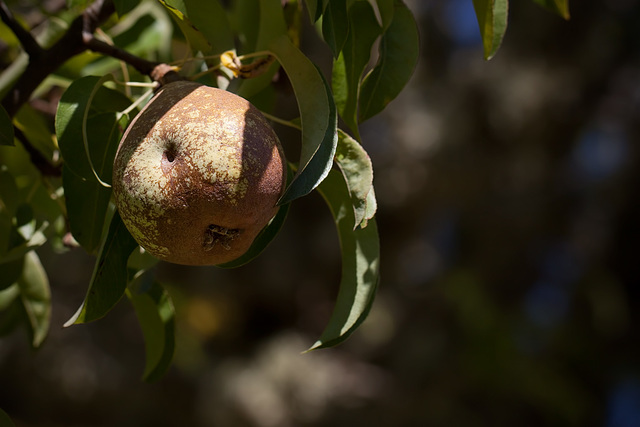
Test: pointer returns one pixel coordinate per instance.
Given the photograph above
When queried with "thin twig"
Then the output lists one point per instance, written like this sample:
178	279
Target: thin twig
140	64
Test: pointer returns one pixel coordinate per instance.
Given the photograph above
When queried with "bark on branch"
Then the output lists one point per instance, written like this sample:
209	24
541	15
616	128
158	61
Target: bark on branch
78	38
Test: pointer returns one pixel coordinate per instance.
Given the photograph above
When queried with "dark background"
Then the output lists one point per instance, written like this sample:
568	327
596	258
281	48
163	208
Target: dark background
508	214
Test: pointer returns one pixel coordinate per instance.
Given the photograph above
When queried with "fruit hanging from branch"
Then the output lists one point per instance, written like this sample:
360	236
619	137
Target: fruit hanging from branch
198	175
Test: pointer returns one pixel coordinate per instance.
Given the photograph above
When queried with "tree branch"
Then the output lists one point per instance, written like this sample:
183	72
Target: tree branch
43	62
78	38
29	44
39	161
140	64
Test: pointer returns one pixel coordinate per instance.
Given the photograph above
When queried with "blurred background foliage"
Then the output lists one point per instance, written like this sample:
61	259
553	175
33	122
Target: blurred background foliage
508	216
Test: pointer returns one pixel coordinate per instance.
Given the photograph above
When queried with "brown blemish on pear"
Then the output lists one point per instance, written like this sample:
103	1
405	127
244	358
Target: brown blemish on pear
197	175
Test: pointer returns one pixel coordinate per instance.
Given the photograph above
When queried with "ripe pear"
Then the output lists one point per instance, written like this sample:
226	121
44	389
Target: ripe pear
198	174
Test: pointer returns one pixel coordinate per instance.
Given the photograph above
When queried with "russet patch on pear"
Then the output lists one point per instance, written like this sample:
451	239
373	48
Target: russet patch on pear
198	174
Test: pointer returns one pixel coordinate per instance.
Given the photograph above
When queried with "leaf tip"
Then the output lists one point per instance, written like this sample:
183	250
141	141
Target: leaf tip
74	319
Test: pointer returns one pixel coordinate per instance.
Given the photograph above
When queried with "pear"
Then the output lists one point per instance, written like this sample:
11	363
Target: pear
198	175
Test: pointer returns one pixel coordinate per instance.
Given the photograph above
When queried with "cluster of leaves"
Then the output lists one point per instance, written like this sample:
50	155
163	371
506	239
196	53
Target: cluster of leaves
93	112
95	108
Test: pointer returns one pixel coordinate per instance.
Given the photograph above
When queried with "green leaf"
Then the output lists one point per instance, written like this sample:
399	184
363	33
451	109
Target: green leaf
561	7
349	66
492	18
156	316
355	165
109	279
86	199
197	40
317	115
210	18
360	264
84	98
5	421
335	25
315	8
398	56
272	27
35	296
245	25
6	128
125	6
386	11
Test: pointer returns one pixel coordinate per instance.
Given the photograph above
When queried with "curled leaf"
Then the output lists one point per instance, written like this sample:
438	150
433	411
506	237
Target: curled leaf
355	165
360	264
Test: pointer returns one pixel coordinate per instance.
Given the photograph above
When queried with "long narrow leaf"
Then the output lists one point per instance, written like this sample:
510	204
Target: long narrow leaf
35	296
492	18
272	26
399	51
156	316
335	25
109	279
561	7
86	199
210	18
386	10
317	115
360	264
350	65
197	40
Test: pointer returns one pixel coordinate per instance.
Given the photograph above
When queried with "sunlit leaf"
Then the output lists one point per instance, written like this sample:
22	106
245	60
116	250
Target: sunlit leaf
109	279
335	25
561	7
349	67
398	56
355	165
360	264
35	296
317	115
6	128
197	40
156	316
492	18
210	18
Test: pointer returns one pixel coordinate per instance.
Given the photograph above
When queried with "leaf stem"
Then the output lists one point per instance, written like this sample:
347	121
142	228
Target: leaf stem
282	121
